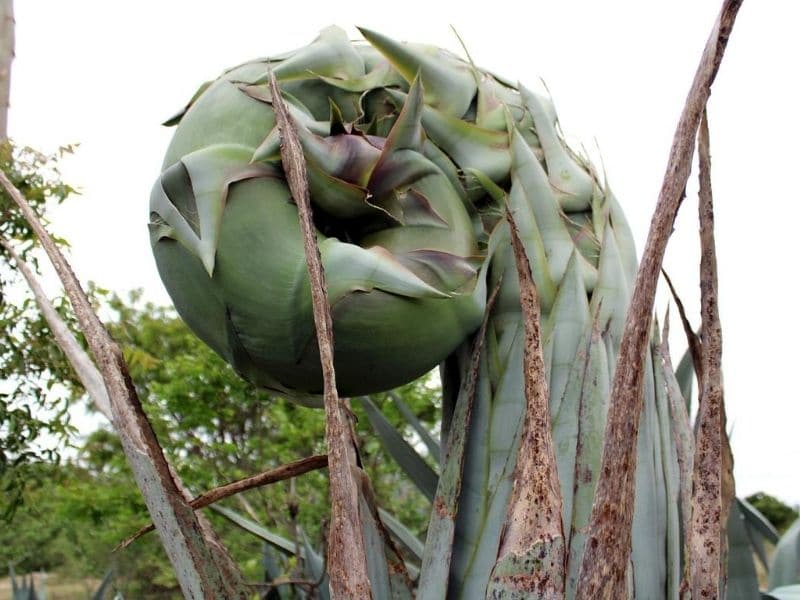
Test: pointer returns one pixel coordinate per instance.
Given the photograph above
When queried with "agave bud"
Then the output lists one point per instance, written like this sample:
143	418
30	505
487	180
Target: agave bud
398	247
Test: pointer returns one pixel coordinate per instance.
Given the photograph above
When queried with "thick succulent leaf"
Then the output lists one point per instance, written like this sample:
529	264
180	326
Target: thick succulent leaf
463	376
196	214
742	579
759	530
685	375
563	332
381	75
387	574
449	85
281	543
785	568
272	570
573	185
578	433
528	176
105	586
377	567
470	146
330	55
314	569
670	470
488	467
401	451
337	197
401	161
623	236
611	294
402	534
785	592
221	115
176	118
433	446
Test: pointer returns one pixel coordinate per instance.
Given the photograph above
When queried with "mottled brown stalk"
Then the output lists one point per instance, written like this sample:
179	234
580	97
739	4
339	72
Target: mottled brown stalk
281	473
608	543
707	525
347	563
192	557
531	559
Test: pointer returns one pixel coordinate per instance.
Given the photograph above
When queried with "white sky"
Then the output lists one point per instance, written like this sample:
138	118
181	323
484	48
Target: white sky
105	74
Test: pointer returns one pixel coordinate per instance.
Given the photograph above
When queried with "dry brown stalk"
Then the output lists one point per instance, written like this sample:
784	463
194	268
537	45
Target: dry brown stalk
608	544
347	562
191	554
531	559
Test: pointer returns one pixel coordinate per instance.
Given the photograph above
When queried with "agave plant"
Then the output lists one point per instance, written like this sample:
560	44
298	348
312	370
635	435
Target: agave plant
414	156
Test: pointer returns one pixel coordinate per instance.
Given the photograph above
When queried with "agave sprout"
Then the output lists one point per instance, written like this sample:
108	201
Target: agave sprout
413	156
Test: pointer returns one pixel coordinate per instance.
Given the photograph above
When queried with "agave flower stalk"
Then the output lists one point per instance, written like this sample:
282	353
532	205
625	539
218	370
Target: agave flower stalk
413	155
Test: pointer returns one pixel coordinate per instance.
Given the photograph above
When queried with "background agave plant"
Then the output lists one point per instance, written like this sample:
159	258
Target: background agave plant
413	157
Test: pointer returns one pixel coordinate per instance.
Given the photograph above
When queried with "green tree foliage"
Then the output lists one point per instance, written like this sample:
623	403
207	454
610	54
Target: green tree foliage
215	428
781	515
31	364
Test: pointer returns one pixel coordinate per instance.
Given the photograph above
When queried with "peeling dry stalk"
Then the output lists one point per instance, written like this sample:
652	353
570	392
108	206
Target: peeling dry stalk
707	508
347	563
531	559
605	561
192	556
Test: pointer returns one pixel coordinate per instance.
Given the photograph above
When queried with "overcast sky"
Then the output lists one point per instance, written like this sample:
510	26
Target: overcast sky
105	74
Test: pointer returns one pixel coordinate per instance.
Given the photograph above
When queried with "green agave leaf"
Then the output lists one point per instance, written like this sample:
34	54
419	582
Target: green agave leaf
758	530
611	294
387	575
441	542
314	569
573	185
449	85
624	236
470	146
785	568
401	451
433	446
176	118
381	75
331	55
742	579
105	586
402	534
685	376
669	468
221	115
377	567
250	526
649	539
563	332
529	177
195	214
785	592
579	432
273	570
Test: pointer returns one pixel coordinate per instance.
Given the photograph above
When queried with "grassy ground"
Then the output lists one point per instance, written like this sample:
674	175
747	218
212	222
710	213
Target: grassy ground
57	588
